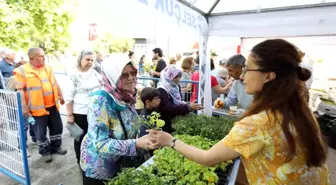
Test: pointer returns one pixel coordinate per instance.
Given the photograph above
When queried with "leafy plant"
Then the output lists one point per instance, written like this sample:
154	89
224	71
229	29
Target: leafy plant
171	168
35	23
215	128
327	101
174	168
148	67
152	121
108	43
132	176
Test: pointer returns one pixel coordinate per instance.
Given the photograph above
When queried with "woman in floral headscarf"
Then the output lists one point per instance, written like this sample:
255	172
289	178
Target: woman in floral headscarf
112	134
170	94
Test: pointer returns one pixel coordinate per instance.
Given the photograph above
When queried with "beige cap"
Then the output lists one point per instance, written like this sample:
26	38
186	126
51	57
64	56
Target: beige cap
222	72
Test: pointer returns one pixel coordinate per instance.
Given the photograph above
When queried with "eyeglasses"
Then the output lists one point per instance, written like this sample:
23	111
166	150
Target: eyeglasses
127	74
246	70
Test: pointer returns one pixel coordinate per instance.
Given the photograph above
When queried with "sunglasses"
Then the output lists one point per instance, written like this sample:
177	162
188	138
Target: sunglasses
127	75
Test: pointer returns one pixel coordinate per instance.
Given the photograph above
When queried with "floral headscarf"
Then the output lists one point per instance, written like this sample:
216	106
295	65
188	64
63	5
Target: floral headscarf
166	83
111	71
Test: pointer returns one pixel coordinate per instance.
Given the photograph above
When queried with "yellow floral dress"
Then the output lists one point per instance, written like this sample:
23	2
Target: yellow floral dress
263	148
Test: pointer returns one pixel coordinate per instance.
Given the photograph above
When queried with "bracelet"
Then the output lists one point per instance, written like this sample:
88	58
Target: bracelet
172	144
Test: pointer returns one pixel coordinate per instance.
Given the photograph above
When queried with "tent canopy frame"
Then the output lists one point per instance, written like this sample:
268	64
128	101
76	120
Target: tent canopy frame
210	13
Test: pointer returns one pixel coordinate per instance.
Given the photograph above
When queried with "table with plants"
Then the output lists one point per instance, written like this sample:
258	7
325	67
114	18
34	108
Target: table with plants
223	112
168	167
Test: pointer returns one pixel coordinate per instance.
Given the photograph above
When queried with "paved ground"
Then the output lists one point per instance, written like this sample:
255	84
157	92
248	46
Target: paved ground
63	170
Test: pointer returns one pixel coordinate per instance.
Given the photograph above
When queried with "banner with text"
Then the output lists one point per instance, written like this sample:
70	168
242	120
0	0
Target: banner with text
187	19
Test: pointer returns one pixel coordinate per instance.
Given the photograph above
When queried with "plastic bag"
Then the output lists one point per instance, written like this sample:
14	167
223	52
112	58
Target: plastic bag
75	131
31	120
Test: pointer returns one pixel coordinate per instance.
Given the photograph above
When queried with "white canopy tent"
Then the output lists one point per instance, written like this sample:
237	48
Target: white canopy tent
309	24
240	19
244	19
267	18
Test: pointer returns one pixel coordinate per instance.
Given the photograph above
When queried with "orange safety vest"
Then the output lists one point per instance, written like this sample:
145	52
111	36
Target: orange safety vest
33	89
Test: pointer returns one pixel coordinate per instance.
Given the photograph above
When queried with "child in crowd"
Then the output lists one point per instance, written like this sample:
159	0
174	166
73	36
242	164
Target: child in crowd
151	100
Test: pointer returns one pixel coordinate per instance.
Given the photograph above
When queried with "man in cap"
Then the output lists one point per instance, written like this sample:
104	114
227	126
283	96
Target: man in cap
237	95
222	63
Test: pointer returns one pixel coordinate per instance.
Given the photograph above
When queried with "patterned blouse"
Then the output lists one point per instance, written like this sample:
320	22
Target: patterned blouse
104	143
263	147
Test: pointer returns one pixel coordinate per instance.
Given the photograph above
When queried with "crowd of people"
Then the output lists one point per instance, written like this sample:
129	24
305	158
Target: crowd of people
273	135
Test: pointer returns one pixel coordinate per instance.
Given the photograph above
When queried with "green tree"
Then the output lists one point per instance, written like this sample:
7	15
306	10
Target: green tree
15	24
28	23
110	44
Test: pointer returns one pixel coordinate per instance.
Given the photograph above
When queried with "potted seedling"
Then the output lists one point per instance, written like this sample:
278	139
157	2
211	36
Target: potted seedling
154	122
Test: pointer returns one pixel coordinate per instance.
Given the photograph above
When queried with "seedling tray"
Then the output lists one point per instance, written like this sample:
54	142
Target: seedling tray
227	177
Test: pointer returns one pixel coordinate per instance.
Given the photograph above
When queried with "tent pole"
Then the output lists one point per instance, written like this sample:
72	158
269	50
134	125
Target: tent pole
192	7
213	7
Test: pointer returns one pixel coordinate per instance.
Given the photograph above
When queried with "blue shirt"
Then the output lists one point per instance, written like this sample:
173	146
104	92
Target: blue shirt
6	69
238	96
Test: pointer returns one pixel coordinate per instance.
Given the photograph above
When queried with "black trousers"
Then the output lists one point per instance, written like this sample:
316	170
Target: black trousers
81	121
91	181
54	123
31	133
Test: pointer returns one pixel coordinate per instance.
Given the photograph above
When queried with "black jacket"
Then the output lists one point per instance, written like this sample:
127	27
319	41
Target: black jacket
168	110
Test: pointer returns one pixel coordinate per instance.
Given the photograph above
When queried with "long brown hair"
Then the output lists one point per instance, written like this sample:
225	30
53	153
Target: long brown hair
187	63
284	95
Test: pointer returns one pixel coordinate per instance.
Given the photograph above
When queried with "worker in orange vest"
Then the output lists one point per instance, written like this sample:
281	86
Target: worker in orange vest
41	95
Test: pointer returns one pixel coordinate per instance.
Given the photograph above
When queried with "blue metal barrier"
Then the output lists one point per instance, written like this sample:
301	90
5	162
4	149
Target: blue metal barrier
157	79
13	154
186	95
146	82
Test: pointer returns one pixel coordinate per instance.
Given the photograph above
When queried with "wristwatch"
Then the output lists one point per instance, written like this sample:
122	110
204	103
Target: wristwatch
172	143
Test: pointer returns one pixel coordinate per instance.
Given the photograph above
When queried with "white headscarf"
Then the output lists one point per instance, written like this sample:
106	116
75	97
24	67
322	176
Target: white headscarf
112	68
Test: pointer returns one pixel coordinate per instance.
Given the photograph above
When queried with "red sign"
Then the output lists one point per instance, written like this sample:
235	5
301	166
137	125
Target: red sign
238	49
92	32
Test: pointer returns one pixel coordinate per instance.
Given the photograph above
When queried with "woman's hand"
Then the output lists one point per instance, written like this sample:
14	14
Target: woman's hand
145	143
218	104
195	106
160	138
70	119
